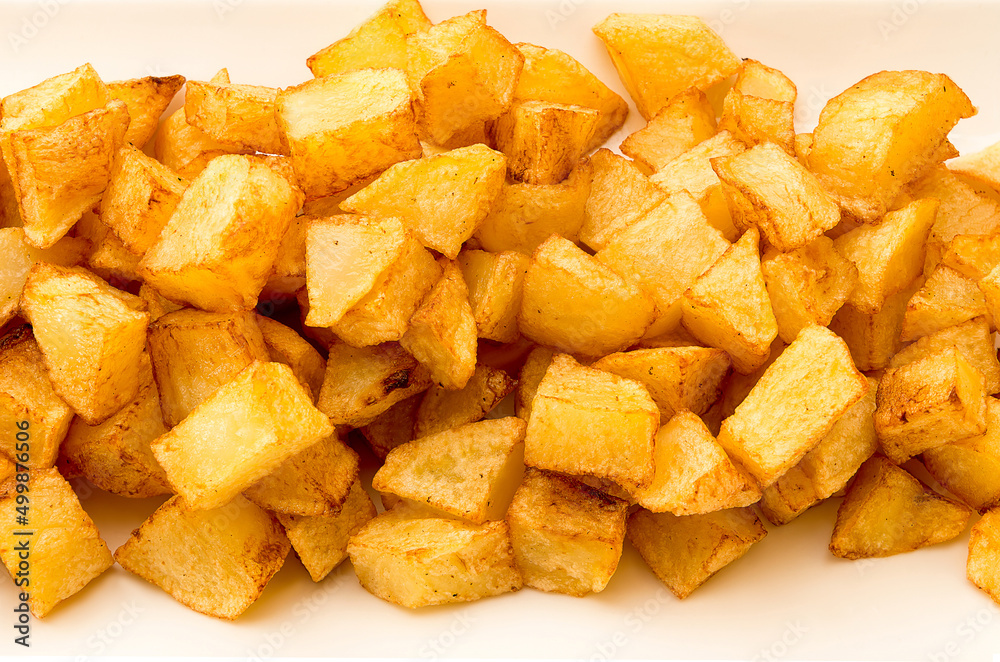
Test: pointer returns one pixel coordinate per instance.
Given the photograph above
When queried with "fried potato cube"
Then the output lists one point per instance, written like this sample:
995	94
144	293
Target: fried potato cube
693	473
972	255
873	339
590	422
20	256
141	196
827	468
377	43
794	405
807	286
970	468
422	561
147	99
463	74
495	282
442	198
678	378
620	194
880	134
658	56
218	247
930	402
686	120
26	394
55	100
470	471
947	298
64	548
108	256
576	304
536	364
551	75
543	141
525	215
186	149
973	339
360	384
116	455
216	561
737	387
770	190
238	115
684	552
239	434
887	511
321	541
91	335
567	536
989	286
286	346
443	409
195	352
315	481
760	107
728	306
984	543
393	427
371	127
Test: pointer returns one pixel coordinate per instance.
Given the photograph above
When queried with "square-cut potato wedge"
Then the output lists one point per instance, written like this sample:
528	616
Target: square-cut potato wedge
927	403
54	100
116	455
63	547
241	116
147	99
658	56
141	196
543	140
984	554
620	194
442	198
807	286
239	434
195	352
442	409
108	256
873	339
371	127
321	541
887	511
91	335
470	471
684	552
760	107
536	364
946	298
567	536
26	394
981	166
973	255
415	561
970	468
794	405
184	148
393	427
973	339
880	134
463	74
20	256
693	473
215	561
286	346
360	384
686	120
590	422
827	468
737	386
573	302
495	282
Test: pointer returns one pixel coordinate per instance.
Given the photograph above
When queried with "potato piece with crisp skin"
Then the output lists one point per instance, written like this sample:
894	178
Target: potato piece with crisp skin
215	561
147	99
536	364
946	298
286	346
970	468
973	255
620	194
393	427
760	107
495	282
241	116
973	339
984	555
542	140
442	409
686	120
873	339
20	256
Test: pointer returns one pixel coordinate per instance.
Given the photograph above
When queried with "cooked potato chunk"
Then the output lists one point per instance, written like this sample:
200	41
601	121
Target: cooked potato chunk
887	511
686	120
543	140
185	148
238	115
20	256
286	346
393	427
108	257
873	339
970	468
972	255
760	107
973	339
442	409
984	550
495	282
147	99
215	561
55	99
620	194
947	298
536	364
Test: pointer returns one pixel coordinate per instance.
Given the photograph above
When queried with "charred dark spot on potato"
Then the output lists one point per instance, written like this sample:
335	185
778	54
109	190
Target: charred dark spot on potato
397	380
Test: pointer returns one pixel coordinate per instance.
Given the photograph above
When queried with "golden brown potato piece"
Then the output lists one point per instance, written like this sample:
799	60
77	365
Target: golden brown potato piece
495	283
442	409
55	99
442	198
64	549
684	552
140	198
416	561
184	148
794	405
463	74
567	536
970	468
946	298
576	304
321	541
973	339
284	345
984	554
686	120
147	99
393	427
536	364
693	473
590	422
108	256
218	247
551	75
215	561
91	335
371	128
873	339
241	433
887	511
156	305
620	194
972	255
20	256
658	56
760	107
360	384
116	455
880	134
239	116
543	140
